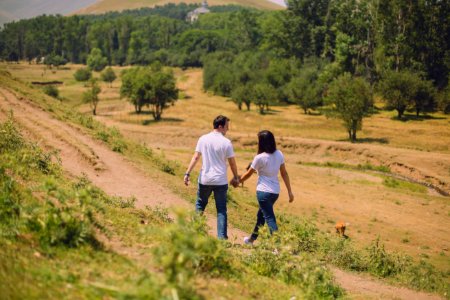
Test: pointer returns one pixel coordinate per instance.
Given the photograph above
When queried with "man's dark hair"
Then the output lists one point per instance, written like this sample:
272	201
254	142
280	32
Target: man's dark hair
220	121
266	142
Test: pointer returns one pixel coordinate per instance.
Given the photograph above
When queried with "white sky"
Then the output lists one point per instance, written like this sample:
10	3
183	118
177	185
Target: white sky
279	2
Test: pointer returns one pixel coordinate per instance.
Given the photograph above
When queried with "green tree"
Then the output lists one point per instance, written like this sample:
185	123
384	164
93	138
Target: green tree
108	75
351	100
242	95
82	74
305	91
154	87
399	90
263	95
96	61
91	95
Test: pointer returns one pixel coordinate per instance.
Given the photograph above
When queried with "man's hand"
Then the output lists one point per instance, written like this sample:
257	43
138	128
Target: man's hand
186	179
235	182
291	197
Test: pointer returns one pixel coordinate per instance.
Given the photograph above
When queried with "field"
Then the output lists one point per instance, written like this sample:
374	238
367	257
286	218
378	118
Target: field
103	6
388	185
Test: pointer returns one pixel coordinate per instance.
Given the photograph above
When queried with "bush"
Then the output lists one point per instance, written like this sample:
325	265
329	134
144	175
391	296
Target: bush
82	74
187	249
384	264
52	91
275	256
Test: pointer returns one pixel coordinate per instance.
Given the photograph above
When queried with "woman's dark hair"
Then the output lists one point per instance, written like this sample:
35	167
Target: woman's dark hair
266	142
220	121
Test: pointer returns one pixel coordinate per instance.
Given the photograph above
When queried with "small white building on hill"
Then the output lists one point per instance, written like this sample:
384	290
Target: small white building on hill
193	15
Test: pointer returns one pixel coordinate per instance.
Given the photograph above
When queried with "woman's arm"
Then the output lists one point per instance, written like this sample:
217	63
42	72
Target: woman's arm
287	182
247	175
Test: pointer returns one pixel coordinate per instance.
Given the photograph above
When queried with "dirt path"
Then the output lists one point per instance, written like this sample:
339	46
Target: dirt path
118	176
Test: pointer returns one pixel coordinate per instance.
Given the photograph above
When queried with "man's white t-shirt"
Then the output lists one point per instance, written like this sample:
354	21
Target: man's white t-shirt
268	165
215	150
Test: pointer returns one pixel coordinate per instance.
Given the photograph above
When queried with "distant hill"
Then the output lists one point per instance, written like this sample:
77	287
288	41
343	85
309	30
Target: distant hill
14	10
102	6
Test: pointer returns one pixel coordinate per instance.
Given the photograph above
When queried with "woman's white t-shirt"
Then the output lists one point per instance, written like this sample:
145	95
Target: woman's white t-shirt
268	165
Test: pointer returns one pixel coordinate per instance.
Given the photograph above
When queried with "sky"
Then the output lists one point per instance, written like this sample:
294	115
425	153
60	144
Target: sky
279	2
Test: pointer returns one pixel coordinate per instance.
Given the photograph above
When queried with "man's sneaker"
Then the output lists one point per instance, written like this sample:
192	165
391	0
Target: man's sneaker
248	241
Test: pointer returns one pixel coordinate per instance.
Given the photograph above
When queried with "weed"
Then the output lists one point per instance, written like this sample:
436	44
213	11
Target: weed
384	264
189	250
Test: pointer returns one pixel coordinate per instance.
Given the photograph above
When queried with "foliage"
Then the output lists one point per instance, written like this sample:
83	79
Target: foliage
54	60
61	219
277	257
402	89
189	250
153	86
351	100
91	96
51	90
82	74
263	95
96	61
304	90
108	75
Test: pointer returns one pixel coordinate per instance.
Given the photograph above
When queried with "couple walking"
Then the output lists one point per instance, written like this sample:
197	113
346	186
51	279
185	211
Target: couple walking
215	150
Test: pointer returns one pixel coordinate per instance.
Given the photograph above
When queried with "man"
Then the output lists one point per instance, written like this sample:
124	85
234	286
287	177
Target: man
215	149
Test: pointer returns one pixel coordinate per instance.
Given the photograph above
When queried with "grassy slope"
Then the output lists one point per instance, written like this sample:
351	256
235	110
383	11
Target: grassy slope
323	194
238	212
117	5
32	268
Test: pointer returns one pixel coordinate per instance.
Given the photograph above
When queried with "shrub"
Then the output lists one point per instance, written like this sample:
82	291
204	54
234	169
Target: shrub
187	249
10	137
52	91
384	264
82	74
275	257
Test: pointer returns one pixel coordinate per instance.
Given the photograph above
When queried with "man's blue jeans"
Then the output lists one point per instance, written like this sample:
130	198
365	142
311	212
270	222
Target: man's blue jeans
220	196
265	213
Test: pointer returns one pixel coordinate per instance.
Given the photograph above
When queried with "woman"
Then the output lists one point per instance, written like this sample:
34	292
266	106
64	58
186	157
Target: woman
267	163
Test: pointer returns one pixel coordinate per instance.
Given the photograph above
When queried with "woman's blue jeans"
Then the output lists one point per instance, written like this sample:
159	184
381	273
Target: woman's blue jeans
220	196
265	213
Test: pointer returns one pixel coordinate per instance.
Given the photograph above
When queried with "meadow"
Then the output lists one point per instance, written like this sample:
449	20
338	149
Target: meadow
332	179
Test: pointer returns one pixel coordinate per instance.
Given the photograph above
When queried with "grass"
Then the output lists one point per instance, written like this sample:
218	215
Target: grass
243	208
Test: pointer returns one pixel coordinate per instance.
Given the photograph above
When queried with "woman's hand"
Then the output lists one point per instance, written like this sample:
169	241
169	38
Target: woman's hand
291	197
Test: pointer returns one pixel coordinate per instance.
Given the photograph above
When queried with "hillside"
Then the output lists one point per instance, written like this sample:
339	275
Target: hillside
137	183
103	6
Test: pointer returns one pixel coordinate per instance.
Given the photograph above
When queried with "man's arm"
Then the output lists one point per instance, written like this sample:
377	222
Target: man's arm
233	166
192	164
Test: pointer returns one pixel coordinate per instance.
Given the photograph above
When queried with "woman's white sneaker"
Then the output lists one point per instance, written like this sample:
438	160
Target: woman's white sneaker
248	241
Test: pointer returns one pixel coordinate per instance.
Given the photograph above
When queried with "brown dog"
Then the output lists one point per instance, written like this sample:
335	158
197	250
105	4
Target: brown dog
340	228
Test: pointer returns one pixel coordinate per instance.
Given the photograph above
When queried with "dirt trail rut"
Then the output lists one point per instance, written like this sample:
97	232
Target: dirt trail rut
110	171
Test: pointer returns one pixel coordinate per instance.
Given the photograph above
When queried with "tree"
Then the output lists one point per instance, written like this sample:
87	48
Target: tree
82	74
96	61
399	90
351	100
149	86
305	91
242	94
164	92
108	75
54	61
262	96
424	99
91	96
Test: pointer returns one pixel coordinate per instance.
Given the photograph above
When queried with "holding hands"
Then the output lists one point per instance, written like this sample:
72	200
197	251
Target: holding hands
235	181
